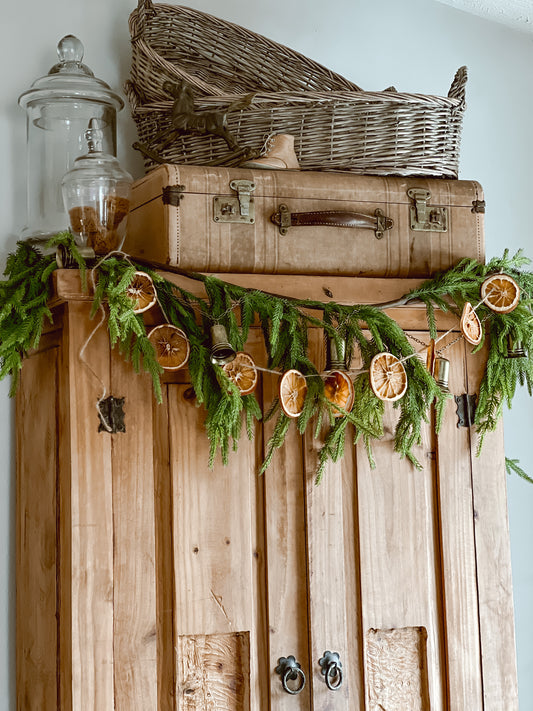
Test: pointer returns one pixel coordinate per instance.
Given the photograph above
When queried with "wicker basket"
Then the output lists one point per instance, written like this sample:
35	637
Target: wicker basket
336	125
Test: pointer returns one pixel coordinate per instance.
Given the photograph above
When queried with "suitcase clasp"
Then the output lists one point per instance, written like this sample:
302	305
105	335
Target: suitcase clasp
425	218
236	209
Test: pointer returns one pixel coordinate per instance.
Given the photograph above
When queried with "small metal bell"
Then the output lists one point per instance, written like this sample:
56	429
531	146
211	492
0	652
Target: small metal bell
335	354
221	350
441	373
515	349
65	260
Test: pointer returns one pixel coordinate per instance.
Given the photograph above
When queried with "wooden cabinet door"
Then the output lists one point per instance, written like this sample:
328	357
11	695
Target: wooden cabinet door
397	562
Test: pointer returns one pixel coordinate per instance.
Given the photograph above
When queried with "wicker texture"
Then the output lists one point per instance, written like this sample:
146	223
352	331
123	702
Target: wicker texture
336	125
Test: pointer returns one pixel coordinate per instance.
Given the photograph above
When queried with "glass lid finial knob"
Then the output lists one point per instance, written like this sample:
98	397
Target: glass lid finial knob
70	49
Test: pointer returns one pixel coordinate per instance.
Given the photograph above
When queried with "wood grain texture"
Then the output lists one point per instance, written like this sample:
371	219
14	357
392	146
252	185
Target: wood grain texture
285	532
91	518
493	558
461	612
214	672
332	597
213	518
134	590
36	539
338	289
396	668
398	539
166	653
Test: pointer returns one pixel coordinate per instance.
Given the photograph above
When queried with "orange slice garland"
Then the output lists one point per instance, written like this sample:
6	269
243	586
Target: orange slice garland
471	325
501	293
292	392
242	371
142	292
388	378
171	346
339	390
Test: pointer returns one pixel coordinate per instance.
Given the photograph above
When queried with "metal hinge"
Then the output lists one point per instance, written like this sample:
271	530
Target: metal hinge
172	195
111	411
239	209
466	409
425	218
478	206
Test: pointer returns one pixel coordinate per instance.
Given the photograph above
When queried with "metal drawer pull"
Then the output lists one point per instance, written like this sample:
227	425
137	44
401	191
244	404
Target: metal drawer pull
289	669
331	668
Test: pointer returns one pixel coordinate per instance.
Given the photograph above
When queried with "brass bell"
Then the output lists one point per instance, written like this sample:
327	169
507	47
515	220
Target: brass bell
515	349
221	350
65	260
335	354
441	373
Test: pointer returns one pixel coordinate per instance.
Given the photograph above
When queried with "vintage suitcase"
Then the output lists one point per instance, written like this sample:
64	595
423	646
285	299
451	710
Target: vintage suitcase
297	222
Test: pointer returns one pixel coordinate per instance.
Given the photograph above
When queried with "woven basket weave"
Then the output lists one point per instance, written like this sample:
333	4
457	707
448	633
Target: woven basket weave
336	125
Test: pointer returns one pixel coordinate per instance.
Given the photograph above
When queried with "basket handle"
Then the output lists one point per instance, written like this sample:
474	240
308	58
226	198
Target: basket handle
145	9
284	219
457	89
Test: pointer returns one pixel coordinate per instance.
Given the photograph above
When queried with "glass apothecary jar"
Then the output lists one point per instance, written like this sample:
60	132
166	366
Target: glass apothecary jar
59	107
96	195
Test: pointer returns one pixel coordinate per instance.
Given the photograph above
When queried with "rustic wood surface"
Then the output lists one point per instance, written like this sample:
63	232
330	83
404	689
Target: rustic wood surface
493	560
135	560
400	566
333	608
36	552
286	568
169	583
91	519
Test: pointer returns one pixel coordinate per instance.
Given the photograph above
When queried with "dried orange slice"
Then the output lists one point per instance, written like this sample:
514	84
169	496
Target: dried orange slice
471	325
142	292
339	390
388	378
292	392
171	345
242	371
501	293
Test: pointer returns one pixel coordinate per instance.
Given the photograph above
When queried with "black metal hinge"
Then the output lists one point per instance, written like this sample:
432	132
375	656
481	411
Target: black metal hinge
111	411
466	409
478	205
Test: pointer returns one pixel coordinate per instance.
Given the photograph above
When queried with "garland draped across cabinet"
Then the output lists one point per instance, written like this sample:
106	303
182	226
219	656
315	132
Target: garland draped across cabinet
25	292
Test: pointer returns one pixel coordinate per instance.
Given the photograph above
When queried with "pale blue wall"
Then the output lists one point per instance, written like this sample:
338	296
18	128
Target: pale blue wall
414	44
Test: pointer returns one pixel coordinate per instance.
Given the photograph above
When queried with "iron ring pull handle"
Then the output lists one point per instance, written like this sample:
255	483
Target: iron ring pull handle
289	668
378	222
331	668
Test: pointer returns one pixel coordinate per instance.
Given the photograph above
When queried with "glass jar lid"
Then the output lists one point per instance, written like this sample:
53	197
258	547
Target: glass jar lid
70	79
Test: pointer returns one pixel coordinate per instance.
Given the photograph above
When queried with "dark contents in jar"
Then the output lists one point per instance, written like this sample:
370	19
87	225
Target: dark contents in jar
100	227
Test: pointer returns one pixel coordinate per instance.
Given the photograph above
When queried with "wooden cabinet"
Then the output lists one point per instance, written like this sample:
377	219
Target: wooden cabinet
146	581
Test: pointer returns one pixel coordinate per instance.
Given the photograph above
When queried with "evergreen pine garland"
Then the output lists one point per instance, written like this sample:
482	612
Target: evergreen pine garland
25	294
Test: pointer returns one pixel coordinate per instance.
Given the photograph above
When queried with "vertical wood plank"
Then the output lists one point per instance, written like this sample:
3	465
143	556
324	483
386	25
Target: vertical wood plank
88	495
458	549
135	613
333	599
36	540
166	654
493	557
285	530
213	519
398	538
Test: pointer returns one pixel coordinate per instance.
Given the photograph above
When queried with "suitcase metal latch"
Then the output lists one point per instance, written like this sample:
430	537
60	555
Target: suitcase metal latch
425	218
239	209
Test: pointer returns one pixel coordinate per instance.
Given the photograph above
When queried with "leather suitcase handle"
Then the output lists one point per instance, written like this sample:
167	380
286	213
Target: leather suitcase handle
284	218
